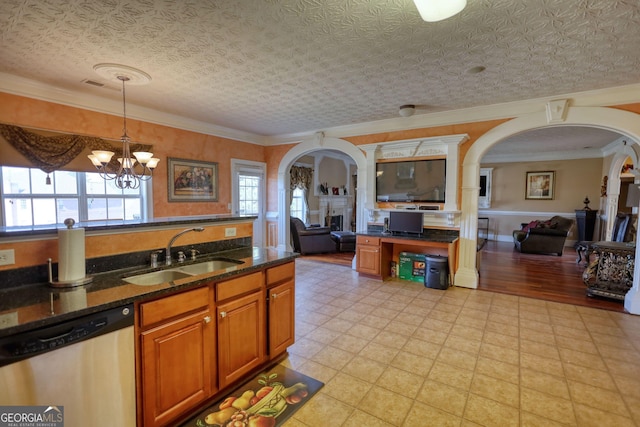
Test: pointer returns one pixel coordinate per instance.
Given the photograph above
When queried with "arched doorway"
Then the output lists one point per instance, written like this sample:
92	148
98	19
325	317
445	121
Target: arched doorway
623	122
318	143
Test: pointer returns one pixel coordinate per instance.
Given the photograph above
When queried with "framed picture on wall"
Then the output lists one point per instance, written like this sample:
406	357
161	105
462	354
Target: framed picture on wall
192	181
540	185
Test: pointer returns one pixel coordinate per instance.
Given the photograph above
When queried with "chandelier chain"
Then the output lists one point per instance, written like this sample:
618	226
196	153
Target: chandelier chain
126	176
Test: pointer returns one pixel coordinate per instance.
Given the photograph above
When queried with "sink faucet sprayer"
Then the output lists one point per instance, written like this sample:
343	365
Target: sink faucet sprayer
173	239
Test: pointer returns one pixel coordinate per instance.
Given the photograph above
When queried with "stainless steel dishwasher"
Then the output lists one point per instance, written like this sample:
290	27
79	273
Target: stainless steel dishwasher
86	365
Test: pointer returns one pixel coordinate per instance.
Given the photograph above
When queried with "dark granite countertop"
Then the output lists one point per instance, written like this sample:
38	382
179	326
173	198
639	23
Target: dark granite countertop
446	236
91	226
25	308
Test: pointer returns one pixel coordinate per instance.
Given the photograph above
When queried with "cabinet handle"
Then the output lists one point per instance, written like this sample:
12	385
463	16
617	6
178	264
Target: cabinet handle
207	319
273	296
223	314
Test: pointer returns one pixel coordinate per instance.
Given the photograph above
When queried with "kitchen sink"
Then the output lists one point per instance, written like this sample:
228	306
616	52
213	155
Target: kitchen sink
209	266
156	277
169	275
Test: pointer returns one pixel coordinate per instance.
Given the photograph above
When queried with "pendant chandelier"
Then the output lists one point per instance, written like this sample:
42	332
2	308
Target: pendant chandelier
131	171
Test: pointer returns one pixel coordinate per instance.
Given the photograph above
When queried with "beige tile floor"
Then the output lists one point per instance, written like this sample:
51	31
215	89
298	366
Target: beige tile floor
395	353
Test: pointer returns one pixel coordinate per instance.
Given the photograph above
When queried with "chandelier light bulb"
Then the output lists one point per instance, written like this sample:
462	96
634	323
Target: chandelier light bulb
103	157
152	163
143	157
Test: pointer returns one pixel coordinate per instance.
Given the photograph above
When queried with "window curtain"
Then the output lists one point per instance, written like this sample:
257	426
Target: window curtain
50	153
301	177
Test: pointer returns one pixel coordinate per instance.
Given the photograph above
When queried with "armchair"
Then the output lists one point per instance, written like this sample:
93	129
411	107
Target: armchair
543	237
310	240
623	231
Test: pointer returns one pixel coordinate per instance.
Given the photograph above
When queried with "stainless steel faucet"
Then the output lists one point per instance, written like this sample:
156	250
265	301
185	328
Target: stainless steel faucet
173	239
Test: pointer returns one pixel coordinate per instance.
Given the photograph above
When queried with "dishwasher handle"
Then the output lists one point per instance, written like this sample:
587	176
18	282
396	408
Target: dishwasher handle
58	336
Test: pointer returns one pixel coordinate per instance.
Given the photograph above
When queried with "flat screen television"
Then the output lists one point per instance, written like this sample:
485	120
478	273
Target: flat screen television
411	181
405	222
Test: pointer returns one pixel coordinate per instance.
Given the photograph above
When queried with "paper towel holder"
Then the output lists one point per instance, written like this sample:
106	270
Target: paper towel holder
66	284
69	222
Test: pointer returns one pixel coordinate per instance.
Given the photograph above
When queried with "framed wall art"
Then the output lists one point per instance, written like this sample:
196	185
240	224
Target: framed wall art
192	181
540	185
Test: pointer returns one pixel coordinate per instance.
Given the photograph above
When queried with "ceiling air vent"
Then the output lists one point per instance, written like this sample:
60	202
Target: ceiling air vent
98	84
91	82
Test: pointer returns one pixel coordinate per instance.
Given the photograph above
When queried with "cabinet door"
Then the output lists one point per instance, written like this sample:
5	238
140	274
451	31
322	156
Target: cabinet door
368	259
241	336
178	367
281	312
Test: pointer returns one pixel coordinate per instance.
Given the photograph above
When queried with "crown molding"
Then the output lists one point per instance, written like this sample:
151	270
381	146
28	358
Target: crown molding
20	86
620	95
543	157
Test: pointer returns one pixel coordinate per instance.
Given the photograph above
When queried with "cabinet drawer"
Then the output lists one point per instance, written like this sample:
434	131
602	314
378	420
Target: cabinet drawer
366	240
280	273
239	286
156	311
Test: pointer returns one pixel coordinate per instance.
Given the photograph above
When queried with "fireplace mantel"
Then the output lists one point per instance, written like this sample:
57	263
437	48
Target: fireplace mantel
330	205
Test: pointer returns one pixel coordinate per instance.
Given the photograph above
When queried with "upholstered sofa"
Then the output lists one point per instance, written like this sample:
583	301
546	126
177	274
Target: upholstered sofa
310	240
543	237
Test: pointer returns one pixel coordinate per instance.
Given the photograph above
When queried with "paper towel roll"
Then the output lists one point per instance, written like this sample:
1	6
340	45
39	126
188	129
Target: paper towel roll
71	262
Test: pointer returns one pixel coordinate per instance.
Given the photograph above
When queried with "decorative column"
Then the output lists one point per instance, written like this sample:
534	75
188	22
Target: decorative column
467	274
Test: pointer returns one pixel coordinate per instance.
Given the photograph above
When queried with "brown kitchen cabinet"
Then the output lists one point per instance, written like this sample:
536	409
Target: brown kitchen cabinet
368	255
241	326
177	362
281	308
196	343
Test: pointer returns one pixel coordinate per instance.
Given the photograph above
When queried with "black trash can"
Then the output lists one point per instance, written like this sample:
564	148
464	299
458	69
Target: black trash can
436	272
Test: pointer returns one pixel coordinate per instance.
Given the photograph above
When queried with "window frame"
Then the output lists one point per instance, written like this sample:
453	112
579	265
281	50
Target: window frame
144	195
303	210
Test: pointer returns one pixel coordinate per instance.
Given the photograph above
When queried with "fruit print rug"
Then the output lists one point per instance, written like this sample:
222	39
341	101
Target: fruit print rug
267	400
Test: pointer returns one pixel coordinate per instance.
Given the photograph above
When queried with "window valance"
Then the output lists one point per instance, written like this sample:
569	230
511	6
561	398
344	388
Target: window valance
301	177
50	153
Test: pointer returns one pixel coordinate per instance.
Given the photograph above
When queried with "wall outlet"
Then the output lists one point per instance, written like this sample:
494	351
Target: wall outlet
7	257
229	232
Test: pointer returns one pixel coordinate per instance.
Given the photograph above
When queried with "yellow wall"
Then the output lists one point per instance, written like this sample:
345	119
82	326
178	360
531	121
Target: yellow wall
574	179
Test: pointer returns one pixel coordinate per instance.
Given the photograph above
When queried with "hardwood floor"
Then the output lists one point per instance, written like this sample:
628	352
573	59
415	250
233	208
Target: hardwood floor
505	270
547	277
340	258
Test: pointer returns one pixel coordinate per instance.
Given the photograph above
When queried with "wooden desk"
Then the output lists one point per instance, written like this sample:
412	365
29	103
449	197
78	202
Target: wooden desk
375	251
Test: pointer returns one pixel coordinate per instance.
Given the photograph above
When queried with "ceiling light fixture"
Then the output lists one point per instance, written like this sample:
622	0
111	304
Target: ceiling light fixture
126	176
438	10
407	110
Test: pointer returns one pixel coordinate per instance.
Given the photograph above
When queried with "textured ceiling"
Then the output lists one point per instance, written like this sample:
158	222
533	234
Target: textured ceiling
278	67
